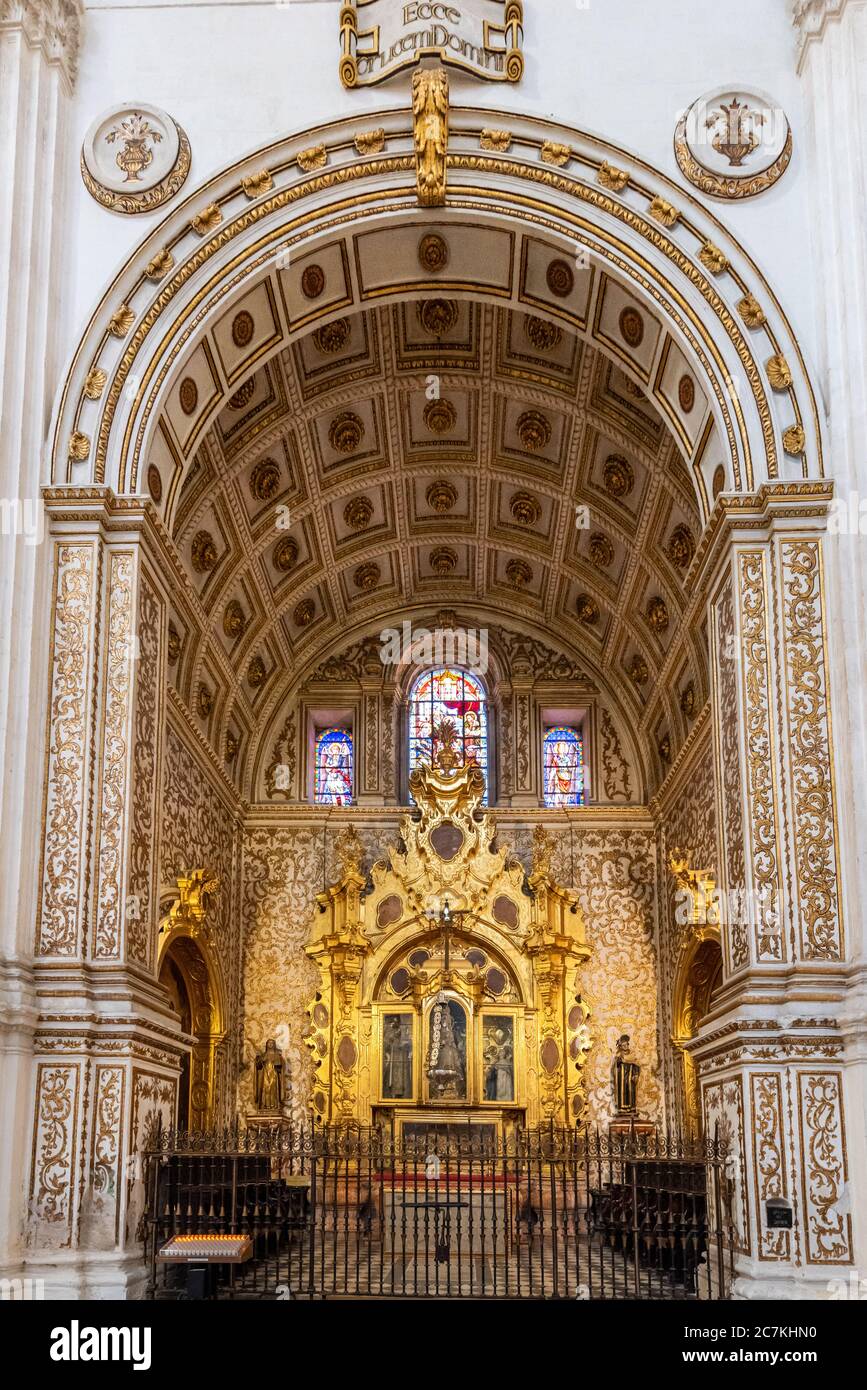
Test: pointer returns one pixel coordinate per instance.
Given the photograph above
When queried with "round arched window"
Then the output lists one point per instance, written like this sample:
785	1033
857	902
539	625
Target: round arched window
448	708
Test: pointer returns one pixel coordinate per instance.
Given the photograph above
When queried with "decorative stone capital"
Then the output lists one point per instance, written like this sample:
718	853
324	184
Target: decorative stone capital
52	25
811	18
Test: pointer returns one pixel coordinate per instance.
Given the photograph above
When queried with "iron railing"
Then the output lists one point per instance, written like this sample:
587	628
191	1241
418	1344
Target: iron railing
354	1212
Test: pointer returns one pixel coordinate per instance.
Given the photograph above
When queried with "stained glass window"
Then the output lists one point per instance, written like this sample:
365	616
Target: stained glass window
448	708
332	778
564	767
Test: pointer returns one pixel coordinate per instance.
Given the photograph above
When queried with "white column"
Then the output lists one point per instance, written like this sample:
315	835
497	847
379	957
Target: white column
832	62
39	41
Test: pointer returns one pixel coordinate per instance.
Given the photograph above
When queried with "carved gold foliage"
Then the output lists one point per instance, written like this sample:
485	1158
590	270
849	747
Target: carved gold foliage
732	789
95	383
141	885
664	213
54	1139
554	153
121	321
794	439
316	157
611	177
79	446
59	932
615	769
713	259
496	140
430	108
283	870
779	372
117	721
160	265
768	1156
106	1143
370	141
824	1169
751	311
255	185
724	1118
207	220
761	758
615	882
809	751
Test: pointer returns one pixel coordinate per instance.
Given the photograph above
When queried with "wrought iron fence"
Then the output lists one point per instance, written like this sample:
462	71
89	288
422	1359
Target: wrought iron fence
356	1213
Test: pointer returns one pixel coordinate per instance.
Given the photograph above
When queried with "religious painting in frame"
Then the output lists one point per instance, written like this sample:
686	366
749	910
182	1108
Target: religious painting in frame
397	1056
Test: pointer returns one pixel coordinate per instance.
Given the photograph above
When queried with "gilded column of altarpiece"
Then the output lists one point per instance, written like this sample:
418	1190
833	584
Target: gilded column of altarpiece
511	979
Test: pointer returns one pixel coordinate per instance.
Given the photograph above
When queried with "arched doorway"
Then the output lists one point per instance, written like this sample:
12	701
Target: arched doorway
699	976
603	245
190	972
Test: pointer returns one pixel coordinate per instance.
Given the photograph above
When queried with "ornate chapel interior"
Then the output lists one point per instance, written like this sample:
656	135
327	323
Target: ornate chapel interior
419	758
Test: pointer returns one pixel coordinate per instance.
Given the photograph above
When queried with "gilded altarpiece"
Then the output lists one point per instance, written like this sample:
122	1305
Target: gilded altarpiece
510	982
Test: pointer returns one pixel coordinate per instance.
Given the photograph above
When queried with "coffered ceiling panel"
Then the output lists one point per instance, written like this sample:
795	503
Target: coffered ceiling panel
436	452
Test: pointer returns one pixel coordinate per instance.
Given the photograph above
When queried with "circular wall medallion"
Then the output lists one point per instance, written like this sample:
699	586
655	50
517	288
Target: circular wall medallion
686	393
433	253
443	560
188	395
601	550
346	1052
155	483
632	327
534	430
203	552
418	958
719	481
440	416
733	142
265	480
447	839
543	335
519	573
618	476
286	555
320	1015
304	612
234	620
367	576
681	547
333	337
525	508
346	432
561	279
438	316
312	281
358	512
134	158
243	329
587	609
243	395
441	497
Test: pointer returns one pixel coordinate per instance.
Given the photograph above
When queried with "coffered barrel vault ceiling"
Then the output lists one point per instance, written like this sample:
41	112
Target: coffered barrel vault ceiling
546	459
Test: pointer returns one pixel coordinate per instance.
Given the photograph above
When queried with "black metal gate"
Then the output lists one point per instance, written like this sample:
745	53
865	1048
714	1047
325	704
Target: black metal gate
352	1213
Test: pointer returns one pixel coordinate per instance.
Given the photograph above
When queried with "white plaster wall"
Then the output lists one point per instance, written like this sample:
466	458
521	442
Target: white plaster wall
237	74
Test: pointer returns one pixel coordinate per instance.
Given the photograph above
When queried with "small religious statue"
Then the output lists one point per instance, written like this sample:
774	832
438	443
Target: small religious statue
499	1073
269	1079
624	1077
445	1068
397	1057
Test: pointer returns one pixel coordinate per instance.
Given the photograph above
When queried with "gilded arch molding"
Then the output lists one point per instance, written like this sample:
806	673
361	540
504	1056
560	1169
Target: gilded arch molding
648	229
